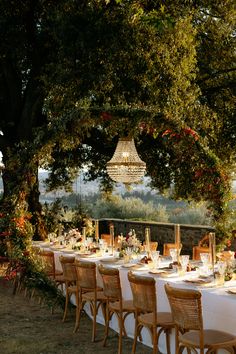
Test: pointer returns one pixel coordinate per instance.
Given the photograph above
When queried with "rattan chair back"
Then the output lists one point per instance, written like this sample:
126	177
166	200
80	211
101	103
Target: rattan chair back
68	268
48	262
106	238
111	282
153	245
197	250
186	308
86	274
144	293
168	246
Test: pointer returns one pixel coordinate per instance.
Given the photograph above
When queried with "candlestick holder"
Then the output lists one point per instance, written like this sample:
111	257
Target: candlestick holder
112	238
177	240
147	241
212	247
97	231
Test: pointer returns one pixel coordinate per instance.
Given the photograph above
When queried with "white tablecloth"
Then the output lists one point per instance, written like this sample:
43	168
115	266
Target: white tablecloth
219	307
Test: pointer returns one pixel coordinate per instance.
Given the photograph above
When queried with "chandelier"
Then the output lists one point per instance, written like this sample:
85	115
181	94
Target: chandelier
125	165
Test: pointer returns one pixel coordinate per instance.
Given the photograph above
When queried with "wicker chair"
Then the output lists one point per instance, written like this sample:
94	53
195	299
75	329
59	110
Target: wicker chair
146	315
197	250
153	245
168	246
48	263
202	247
70	278
107	238
115	303
88	292
186	309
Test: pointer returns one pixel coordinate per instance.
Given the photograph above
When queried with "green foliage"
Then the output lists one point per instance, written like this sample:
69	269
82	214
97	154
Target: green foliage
53	216
128	208
192	215
76	74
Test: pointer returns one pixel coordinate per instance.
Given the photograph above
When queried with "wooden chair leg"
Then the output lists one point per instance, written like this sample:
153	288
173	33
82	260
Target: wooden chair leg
120	332
154	340
78	315
168	341
107	319
66	306
135	335
94	321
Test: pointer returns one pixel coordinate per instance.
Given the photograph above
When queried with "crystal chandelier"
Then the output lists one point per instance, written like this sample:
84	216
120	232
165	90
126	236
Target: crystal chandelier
125	165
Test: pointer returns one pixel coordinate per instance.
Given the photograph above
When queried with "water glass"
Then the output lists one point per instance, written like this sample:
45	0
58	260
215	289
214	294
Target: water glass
220	273
155	258
72	242
103	246
205	258
184	260
173	254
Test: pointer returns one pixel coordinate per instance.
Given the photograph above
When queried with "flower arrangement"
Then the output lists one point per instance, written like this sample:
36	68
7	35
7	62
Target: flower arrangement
129	243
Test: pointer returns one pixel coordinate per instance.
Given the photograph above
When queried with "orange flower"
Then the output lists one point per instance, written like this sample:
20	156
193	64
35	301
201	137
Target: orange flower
20	222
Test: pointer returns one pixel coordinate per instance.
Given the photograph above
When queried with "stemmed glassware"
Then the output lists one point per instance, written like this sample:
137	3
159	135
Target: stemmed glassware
219	273
72	242
103	246
155	258
173	254
205	258
184	260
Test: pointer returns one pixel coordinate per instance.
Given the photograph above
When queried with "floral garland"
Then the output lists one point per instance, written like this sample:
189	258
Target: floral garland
196	172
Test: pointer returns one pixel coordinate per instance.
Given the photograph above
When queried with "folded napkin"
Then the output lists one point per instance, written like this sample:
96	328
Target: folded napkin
198	281
231	291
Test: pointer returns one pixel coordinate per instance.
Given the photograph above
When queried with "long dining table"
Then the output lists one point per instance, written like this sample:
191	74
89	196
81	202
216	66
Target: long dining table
219	306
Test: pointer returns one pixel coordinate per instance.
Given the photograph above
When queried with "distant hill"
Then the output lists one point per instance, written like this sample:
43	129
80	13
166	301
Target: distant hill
85	188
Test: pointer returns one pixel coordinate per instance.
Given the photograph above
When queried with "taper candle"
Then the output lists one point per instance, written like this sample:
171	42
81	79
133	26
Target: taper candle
177	240
212	247
84	234
112	237
96	230
147	239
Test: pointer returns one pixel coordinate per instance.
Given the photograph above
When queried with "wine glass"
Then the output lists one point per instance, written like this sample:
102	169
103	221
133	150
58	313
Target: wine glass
205	258
220	272
173	254
72	242
155	258
184	260
103	247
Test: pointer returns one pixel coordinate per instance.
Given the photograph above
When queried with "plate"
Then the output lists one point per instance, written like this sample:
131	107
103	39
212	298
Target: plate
84	254
130	265
108	260
169	274
58	248
165	269
143	268
198	281
231	291
156	271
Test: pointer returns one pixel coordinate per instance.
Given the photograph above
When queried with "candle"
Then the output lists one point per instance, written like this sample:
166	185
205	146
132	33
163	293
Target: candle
212	247
112	237
147	239
96	230
177	240
84	234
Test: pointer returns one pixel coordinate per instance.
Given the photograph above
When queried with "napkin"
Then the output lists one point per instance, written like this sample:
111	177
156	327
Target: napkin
231	291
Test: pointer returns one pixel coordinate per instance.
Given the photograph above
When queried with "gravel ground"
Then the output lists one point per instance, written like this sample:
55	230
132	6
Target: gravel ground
29	328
